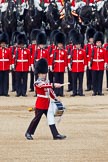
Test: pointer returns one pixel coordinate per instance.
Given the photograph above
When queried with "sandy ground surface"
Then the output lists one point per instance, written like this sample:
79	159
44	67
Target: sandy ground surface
85	122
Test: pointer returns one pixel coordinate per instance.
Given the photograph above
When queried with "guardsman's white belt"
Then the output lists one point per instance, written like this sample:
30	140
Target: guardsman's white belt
22	60
98	60
43	96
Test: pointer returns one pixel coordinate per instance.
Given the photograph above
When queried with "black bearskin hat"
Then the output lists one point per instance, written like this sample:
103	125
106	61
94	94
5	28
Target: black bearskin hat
22	39
60	38
14	37
52	35
34	34
41	66
71	35
90	33
41	38
77	39
98	37
4	38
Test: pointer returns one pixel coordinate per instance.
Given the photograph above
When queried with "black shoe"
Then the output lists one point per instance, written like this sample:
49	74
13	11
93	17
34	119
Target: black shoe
100	94
31	90
6	95
88	89
24	95
60	137
28	136
18	95
94	94
81	94
69	90
73	95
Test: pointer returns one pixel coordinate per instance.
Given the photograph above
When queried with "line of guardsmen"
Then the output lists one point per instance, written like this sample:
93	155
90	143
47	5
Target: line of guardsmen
21	58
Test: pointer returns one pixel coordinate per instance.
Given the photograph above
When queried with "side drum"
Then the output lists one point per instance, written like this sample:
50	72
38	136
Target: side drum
59	108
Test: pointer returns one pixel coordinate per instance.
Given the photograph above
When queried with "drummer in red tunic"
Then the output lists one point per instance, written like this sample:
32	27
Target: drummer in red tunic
44	91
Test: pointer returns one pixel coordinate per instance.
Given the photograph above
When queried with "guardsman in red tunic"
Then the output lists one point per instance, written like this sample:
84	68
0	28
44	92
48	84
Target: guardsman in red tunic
90	44
12	49
98	63
5	65
59	64
51	47
106	47
33	48
44	91
69	48
21	65
41	51
78	64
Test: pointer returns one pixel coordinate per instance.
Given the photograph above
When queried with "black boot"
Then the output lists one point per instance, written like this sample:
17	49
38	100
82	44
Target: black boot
28	136
55	133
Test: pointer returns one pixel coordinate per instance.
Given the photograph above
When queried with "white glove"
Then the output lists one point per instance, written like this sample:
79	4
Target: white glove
32	67
89	65
50	67
65	69
69	66
12	67
29	68
85	67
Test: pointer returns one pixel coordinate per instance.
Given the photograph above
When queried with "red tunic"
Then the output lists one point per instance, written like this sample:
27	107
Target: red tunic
44	92
59	60
38	54
23	60
78	60
99	59
5	59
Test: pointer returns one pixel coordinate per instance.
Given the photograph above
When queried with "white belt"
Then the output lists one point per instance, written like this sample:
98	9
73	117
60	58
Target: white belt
22	60
37	59
98	60
4	59
43	96
77	60
59	60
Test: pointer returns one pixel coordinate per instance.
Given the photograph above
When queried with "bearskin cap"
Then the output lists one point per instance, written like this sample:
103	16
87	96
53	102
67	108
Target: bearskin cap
4	38
52	35
22	39
34	34
41	66
98	37
60	38
71	35
14	37
41	38
77	39
90	33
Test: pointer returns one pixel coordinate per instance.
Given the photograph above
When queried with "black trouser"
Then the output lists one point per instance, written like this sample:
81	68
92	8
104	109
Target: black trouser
97	80
21	83
70	86
78	82
4	82
31	80
51	76
59	78
34	123
89	79
107	78
13	81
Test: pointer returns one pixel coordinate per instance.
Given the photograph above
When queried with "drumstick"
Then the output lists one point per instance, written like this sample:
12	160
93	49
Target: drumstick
65	84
